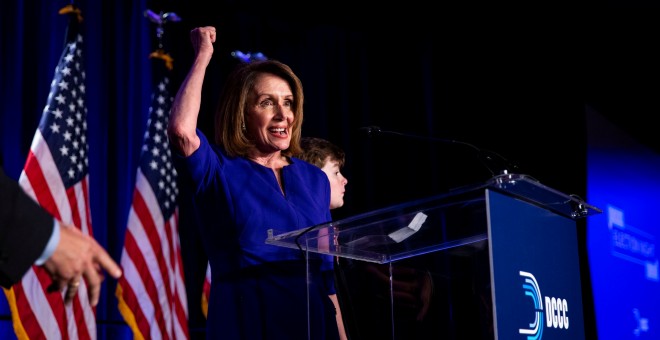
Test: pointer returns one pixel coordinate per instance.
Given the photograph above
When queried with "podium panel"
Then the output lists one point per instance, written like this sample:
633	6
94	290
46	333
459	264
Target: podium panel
497	260
535	271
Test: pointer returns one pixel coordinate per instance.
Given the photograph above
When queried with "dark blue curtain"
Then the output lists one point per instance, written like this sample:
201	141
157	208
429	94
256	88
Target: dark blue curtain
118	41
425	76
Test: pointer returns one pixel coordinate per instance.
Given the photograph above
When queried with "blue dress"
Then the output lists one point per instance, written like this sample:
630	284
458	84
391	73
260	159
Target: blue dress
260	291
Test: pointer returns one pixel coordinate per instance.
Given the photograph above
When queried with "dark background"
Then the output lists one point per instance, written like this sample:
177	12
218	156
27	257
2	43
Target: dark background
510	80
513	83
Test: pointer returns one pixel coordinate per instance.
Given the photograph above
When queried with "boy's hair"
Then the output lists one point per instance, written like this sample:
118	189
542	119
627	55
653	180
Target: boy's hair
317	150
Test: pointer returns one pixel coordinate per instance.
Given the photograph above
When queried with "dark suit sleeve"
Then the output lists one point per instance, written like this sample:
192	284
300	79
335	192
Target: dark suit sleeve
25	229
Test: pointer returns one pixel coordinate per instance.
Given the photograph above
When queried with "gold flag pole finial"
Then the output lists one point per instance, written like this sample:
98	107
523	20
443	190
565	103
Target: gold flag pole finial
160	19
72	9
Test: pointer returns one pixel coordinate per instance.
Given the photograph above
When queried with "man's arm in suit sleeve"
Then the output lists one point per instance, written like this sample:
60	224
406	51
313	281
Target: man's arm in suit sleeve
25	229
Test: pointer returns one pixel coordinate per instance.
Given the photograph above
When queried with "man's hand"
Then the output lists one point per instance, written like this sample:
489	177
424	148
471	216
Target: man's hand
79	256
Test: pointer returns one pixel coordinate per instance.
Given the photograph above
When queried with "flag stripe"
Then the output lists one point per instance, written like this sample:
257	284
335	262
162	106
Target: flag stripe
48	186
181	307
150	291
157	237
86	227
35	176
49	318
78	314
73	202
152	250
26	318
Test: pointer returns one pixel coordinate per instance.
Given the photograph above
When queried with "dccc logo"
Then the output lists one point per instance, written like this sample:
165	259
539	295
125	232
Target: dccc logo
557	309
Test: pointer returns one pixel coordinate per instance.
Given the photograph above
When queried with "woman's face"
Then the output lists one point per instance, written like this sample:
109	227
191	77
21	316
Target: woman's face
270	114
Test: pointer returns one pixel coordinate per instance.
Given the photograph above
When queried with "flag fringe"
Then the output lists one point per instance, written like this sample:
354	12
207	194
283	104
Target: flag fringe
19	330
128	315
205	306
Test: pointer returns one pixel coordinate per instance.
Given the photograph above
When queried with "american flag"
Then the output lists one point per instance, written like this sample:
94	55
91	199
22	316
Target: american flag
152	293
56	176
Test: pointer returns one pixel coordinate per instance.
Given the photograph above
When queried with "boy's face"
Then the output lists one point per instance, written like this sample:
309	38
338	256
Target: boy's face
337	183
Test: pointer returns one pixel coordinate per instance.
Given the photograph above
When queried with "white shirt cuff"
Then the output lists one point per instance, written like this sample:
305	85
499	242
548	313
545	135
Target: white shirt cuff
51	245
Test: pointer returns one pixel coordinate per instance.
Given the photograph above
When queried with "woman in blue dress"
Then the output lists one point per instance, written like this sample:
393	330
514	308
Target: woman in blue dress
245	182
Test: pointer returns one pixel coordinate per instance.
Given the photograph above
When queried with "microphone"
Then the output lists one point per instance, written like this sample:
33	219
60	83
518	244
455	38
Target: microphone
371	131
488	158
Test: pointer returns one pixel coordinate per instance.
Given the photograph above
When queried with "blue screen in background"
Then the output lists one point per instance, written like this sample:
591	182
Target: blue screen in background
623	179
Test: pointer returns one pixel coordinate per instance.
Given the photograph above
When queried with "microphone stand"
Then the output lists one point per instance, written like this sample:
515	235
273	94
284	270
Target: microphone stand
494	162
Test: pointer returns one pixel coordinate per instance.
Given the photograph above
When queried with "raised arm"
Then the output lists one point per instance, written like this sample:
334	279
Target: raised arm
185	109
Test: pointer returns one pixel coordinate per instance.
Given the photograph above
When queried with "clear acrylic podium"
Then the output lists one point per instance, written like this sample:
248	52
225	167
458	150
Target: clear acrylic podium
497	260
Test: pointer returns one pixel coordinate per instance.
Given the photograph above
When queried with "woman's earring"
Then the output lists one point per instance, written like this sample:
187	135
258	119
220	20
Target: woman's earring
243	126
